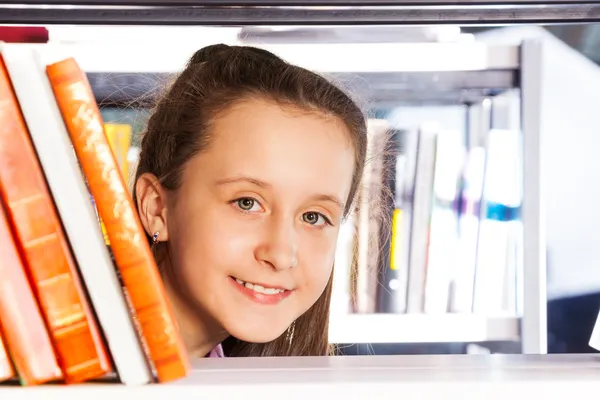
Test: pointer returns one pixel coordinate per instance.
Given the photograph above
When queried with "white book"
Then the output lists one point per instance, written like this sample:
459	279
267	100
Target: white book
421	214
443	226
73	201
468	226
501	190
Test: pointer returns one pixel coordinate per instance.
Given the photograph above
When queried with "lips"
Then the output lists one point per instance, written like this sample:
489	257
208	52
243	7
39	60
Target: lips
260	293
259	288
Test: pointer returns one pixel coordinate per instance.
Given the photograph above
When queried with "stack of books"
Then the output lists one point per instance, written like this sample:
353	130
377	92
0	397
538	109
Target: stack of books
72	309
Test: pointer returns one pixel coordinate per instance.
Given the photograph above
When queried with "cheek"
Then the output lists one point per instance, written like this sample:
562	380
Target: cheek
206	242
317	258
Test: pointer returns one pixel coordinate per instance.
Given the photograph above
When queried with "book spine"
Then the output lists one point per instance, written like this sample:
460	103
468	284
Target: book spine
40	237
24	331
130	247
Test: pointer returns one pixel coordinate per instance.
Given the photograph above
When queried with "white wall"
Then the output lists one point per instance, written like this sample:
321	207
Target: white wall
570	127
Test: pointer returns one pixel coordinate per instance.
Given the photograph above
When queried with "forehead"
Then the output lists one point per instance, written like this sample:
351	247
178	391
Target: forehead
285	146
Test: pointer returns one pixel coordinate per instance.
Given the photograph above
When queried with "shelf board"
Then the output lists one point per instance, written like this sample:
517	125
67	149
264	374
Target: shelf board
422	328
158	55
131	73
372	377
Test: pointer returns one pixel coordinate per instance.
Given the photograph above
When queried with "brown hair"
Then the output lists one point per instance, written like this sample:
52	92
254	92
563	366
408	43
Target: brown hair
215	78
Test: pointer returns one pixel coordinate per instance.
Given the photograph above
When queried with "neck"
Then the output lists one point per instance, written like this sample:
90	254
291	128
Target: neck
200	333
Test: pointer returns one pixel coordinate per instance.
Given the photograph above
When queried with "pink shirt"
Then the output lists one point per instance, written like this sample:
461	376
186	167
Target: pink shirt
217	352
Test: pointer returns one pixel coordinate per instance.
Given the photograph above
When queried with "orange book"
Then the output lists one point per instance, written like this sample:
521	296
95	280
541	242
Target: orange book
6	369
46	253
127	238
22	324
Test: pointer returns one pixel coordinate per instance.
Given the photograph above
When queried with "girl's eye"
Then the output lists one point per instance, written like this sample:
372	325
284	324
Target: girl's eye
315	218
246	203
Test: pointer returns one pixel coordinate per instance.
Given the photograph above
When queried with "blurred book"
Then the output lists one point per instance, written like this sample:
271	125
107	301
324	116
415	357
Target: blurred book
438	227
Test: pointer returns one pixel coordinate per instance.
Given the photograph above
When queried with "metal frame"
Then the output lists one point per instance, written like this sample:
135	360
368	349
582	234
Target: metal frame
272	12
534	322
418	3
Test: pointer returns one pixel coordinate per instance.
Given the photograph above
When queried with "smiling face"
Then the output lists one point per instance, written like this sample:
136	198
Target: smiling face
252	228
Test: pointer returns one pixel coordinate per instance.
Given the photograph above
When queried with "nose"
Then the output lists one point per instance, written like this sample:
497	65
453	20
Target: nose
278	245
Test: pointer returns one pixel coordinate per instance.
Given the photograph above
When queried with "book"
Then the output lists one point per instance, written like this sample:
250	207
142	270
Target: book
41	239
73	202
24	333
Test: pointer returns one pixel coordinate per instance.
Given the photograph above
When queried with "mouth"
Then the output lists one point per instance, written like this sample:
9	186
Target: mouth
259	292
258	287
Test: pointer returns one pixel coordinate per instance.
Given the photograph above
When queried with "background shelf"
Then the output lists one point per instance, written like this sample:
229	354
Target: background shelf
378	89
422	328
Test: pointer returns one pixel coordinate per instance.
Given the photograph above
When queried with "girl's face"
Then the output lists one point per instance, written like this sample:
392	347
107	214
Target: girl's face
252	228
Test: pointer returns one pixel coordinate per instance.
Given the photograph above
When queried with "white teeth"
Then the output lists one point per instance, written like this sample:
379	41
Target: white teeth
259	288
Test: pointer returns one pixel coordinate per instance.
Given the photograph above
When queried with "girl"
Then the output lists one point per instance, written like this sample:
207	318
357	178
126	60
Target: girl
247	168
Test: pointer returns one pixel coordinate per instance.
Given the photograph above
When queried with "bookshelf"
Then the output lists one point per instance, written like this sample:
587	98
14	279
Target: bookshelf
474	71
481	71
358	377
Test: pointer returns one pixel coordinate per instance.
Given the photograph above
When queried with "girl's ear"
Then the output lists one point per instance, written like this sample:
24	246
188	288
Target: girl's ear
152	205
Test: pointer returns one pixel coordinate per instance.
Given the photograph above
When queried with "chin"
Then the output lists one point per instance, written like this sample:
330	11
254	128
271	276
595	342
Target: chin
257	332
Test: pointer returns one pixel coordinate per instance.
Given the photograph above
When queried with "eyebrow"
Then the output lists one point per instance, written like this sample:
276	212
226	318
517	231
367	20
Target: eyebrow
263	184
326	197
242	178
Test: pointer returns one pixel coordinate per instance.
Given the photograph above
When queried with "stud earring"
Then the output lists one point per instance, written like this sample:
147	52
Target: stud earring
155	237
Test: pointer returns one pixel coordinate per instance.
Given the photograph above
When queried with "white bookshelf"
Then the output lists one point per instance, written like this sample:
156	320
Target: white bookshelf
105	56
422	328
357	377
